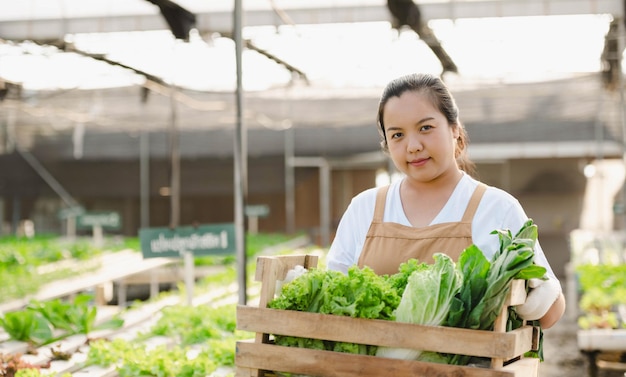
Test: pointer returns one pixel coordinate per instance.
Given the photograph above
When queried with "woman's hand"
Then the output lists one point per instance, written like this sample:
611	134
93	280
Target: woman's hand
545	302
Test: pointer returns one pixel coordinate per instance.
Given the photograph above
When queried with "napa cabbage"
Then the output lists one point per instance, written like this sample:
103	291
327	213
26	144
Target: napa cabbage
426	300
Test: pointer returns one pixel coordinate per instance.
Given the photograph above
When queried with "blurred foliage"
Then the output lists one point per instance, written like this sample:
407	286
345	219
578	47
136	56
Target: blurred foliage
602	296
28	263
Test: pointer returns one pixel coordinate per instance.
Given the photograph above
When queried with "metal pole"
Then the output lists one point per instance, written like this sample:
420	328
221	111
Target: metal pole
175	163
290	196
144	167
620	51
325	173
144	178
240	150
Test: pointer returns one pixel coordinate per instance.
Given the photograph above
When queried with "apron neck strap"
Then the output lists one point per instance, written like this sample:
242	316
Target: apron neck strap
381	196
473	203
379	209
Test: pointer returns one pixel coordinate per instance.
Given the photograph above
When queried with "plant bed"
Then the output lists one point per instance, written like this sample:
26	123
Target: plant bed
152	333
260	357
187	336
601	318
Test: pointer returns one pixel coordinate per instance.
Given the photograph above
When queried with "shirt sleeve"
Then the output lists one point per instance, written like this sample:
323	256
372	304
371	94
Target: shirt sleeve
346	247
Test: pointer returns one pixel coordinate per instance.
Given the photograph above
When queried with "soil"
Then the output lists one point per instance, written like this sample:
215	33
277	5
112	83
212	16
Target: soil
562	358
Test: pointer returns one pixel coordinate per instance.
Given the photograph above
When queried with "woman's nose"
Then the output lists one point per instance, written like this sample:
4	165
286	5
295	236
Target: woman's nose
415	144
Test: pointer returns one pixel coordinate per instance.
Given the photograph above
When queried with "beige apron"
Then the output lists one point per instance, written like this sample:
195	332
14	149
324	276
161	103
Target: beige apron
387	245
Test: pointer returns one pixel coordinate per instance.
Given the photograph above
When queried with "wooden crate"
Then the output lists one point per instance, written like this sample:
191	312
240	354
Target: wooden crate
261	357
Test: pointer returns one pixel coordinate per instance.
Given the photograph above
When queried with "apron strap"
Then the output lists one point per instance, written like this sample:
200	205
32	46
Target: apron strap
379	209
473	203
381	196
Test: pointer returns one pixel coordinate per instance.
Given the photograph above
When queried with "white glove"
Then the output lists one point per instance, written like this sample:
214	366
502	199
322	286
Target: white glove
542	295
291	274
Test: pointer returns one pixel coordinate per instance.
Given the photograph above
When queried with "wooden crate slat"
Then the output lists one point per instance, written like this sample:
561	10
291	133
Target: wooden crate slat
283	264
506	345
328	363
526	367
517	293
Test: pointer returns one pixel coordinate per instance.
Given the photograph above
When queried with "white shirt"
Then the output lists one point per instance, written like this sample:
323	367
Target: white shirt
498	210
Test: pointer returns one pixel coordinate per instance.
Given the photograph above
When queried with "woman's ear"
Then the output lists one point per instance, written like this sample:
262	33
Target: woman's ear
456	131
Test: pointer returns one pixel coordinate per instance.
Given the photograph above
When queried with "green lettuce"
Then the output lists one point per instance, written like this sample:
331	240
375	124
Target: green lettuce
427	298
359	294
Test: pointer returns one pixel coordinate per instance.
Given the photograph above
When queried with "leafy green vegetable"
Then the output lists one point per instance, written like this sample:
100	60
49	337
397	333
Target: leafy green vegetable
195	324
426	300
399	280
474	268
602	293
486	285
515	258
76	317
360	294
469	294
136	360
27	326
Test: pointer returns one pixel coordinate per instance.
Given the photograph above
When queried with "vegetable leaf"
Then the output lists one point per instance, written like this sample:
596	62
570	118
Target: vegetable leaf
426	300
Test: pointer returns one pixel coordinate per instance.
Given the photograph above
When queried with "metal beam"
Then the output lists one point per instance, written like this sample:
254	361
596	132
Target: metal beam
44	23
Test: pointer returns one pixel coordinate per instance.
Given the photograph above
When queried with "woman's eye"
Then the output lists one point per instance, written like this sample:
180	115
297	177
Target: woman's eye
426	128
396	135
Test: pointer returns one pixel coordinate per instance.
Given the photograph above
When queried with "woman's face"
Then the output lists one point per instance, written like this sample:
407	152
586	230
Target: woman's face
421	142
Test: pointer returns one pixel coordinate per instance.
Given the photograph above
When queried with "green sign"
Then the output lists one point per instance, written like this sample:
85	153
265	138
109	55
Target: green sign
257	210
215	239
105	219
68	212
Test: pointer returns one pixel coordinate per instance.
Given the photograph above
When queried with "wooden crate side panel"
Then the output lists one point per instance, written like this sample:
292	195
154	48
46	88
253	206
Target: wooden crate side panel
271	269
526	367
283	264
506	345
336	364
517	293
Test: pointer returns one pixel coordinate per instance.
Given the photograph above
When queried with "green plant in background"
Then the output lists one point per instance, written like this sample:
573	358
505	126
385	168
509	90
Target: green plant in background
205	336
195	324
185	323
209	330
73	317
133	359
37	322
22	259
27	326
605	276
602	291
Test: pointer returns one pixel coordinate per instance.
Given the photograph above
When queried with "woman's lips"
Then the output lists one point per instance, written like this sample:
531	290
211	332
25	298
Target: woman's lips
419	161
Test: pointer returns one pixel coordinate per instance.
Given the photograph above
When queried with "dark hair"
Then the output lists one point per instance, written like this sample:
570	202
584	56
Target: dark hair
441	98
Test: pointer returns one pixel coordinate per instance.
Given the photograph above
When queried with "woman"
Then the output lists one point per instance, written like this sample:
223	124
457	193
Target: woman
437	206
